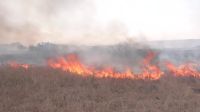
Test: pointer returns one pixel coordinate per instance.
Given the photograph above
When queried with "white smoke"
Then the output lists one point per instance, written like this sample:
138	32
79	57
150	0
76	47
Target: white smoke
56	21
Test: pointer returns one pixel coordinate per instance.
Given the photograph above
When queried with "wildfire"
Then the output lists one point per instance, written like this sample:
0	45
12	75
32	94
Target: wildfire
17	65
72	64
185	70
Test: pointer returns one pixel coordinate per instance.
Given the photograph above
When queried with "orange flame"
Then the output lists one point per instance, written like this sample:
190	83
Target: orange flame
185	70
72	64
17	65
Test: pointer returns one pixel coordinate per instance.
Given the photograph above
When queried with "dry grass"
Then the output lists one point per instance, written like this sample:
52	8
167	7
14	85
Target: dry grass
47	90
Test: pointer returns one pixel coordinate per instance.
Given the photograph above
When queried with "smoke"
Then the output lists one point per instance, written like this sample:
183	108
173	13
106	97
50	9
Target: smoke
14	24
119	56
56	21
62	21
74	22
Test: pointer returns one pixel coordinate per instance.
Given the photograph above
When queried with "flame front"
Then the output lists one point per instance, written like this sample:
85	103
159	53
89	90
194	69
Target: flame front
17	65
72	64
185	70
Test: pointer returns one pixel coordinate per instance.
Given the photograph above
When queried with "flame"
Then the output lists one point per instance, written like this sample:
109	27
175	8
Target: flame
184	70
17	65
72	64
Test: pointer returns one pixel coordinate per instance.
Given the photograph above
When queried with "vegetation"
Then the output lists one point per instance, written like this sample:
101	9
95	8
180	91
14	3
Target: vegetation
47	90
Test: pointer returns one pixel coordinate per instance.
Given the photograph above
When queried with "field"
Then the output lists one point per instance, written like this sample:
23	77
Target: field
43	89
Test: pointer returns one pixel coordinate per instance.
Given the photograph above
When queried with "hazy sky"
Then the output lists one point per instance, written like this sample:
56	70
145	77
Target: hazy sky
98	21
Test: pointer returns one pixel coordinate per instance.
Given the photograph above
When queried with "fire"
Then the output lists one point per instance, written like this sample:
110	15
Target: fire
17	65
185	70
72	64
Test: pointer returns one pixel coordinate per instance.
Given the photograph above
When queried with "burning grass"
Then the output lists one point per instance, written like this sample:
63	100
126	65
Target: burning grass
68	85
149	71
72	64
42	89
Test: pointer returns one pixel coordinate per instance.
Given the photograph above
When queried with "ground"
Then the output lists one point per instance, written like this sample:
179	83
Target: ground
46	90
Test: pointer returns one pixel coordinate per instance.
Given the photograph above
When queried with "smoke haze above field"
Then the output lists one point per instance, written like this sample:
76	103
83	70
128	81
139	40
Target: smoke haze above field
97	21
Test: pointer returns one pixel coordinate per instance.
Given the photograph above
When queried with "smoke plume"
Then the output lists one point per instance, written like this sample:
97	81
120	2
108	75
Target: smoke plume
56	21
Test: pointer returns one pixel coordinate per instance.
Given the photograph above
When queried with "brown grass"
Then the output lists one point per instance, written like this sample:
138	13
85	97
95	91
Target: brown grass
47	90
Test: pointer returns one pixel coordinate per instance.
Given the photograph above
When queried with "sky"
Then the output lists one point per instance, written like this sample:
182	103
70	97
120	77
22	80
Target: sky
98	21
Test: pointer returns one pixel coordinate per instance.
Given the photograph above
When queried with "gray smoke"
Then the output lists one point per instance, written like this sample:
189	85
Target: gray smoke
57	21
72	22
118	56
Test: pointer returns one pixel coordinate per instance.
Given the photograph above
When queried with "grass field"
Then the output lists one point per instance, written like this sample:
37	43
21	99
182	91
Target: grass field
47	90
